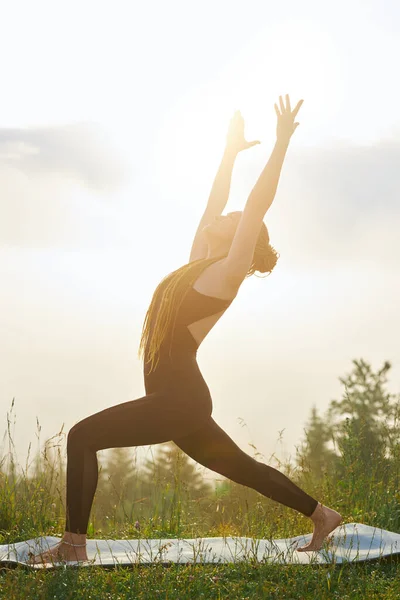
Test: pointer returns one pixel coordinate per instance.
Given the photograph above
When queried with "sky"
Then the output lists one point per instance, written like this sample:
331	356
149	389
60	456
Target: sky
112	126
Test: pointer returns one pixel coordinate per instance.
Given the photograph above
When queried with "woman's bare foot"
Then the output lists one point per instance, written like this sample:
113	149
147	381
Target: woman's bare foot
325	520
63	551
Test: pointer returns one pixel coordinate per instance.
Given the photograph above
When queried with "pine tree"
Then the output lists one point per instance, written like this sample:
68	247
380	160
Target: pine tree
367	437
172	466
314	457
367	409
176	488
119	487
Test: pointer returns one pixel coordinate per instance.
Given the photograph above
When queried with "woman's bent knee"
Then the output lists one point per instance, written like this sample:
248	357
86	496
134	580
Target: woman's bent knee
76	435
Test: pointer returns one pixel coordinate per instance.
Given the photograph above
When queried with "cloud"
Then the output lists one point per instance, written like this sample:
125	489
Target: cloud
334	205
338	204
80	151
50	181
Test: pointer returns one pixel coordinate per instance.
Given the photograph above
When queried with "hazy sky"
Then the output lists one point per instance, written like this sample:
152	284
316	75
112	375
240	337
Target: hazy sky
112	126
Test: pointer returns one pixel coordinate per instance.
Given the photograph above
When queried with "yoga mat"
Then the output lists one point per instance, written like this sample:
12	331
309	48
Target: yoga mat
350	542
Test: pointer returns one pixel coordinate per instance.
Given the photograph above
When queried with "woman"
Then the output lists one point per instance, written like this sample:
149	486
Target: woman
184	308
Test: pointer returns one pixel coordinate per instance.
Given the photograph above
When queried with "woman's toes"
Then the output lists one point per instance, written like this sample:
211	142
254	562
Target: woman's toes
43	557
58	553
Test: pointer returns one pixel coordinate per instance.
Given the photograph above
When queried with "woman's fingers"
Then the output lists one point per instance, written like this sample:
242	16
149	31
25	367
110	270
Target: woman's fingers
297	108
286	117
288	107
251	144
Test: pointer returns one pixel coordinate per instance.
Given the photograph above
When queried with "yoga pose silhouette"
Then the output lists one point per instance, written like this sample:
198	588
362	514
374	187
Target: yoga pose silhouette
184	308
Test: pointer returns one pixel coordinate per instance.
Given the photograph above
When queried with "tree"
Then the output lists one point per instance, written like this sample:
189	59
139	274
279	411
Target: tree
367	437
314	457
120	487
176	488
367	409
172	467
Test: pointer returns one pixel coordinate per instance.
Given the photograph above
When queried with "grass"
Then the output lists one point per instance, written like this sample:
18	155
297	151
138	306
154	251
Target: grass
165	503
243	581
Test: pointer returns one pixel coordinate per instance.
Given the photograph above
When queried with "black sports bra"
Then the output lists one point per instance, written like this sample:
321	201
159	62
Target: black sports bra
180	342
196	306
212	297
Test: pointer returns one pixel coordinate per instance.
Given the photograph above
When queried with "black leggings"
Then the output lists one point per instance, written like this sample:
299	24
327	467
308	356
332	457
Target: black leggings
154	419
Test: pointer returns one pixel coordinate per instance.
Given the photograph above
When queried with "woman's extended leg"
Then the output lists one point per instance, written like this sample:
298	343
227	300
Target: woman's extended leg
153	419
213	448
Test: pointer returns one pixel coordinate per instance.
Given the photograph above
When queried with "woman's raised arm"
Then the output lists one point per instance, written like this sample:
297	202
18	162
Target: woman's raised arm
241	251
219	195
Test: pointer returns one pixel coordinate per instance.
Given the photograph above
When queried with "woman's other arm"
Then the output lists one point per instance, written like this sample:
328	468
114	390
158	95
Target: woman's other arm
261	197
219	194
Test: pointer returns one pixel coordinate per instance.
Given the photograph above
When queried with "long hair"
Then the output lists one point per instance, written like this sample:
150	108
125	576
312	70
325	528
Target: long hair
170	293
265	256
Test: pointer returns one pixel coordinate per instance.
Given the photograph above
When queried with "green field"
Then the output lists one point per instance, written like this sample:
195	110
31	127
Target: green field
349	460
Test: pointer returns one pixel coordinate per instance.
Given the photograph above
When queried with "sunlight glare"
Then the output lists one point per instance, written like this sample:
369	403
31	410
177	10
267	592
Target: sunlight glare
298	59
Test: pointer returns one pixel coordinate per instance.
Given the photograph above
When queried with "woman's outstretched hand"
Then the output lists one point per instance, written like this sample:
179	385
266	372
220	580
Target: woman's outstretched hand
235	141
286	125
